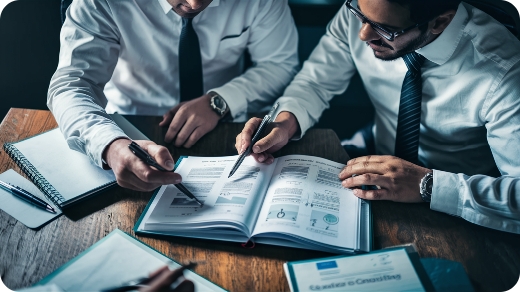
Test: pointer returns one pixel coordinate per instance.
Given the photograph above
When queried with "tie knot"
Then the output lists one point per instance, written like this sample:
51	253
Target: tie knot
414	62
187	21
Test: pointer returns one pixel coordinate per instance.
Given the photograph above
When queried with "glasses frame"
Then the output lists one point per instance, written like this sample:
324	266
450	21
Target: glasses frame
391	35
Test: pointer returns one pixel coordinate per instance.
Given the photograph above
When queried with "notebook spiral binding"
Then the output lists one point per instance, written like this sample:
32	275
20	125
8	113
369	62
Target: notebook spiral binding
33	174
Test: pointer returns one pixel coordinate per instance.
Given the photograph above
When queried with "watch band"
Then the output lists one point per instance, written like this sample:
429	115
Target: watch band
426	187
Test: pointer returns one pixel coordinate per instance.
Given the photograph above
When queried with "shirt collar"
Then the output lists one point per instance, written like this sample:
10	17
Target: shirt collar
166	7
441	49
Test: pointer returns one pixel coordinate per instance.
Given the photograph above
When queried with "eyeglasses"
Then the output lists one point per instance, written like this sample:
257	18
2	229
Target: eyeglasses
381	30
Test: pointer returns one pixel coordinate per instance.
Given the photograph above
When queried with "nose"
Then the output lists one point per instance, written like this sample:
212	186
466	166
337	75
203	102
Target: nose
367	33
195	4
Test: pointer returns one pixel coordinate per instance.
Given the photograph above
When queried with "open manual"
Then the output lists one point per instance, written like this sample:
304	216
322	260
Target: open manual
297	201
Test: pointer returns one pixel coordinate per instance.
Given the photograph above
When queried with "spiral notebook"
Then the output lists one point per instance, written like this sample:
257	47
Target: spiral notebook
65	176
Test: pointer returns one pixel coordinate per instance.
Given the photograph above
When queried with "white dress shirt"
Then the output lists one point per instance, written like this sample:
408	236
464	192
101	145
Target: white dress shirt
470	119
122	56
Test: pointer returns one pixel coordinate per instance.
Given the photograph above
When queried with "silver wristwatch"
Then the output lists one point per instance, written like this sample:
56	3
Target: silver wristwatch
426	187
219	105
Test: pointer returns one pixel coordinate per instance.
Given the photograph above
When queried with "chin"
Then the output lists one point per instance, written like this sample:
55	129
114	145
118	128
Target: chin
184	14
385	56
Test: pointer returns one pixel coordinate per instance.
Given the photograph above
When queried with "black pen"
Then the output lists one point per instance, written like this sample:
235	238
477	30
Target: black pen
265	122
144	156
26	196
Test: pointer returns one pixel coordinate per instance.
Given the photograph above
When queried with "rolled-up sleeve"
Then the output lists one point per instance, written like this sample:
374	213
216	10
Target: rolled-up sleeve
88	55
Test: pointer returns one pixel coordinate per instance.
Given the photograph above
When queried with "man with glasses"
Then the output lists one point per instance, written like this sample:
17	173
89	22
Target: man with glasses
444	80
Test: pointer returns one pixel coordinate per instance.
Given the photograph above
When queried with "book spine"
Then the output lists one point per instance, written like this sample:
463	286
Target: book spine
50	192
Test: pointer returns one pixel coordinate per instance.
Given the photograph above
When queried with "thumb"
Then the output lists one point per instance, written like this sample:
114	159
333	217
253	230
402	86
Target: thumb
161	155
265	144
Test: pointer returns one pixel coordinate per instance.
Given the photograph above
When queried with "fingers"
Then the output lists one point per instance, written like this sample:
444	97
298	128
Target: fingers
175	126
195	136
277	137
160	154
142	177
381	194
367	179
133	173
168	116
165	278
190	134
264	157
244	138
190	121
367	164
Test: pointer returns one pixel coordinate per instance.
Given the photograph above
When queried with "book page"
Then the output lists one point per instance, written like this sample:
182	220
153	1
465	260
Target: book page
306	199
225	199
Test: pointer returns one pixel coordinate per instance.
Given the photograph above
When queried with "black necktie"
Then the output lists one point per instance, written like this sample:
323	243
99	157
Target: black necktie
409	120
190	63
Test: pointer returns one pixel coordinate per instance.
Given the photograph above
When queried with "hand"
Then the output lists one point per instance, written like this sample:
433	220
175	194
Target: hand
189	121
281	130
398	179
132	173
162	279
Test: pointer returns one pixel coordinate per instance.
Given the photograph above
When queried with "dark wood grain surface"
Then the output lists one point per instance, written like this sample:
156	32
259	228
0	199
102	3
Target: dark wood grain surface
491	258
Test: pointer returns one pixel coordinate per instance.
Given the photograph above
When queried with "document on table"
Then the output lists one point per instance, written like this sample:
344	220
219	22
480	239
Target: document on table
384	270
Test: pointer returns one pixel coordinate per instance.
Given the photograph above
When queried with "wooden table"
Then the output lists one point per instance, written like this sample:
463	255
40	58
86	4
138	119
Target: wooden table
491	258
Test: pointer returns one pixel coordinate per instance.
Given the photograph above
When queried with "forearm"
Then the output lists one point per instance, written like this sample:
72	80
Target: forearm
88	55
85	125
480	199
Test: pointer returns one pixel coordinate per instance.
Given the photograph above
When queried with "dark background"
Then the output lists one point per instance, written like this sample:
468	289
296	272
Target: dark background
29	48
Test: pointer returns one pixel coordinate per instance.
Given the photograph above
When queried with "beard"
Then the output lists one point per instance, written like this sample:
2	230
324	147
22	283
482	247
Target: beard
411	46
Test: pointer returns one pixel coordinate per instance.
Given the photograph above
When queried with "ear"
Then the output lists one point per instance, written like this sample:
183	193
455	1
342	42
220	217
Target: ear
439	24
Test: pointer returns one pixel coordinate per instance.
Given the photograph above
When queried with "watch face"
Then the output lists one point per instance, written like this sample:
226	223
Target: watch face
219	102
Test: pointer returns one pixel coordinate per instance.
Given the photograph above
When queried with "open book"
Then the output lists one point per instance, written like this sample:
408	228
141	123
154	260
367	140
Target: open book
298	201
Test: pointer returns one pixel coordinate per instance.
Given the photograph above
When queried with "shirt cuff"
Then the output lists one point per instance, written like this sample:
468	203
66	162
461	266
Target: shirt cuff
445	193
287	104
103	137
235	100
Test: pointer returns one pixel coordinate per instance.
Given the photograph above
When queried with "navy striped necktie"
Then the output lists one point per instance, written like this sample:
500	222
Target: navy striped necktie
190	63
409	119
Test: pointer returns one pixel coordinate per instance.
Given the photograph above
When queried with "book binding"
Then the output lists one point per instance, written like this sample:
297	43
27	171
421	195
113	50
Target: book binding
50	192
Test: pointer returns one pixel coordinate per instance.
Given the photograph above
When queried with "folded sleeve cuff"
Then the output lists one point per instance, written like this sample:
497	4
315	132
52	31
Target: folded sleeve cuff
445	193
288	104
104	135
